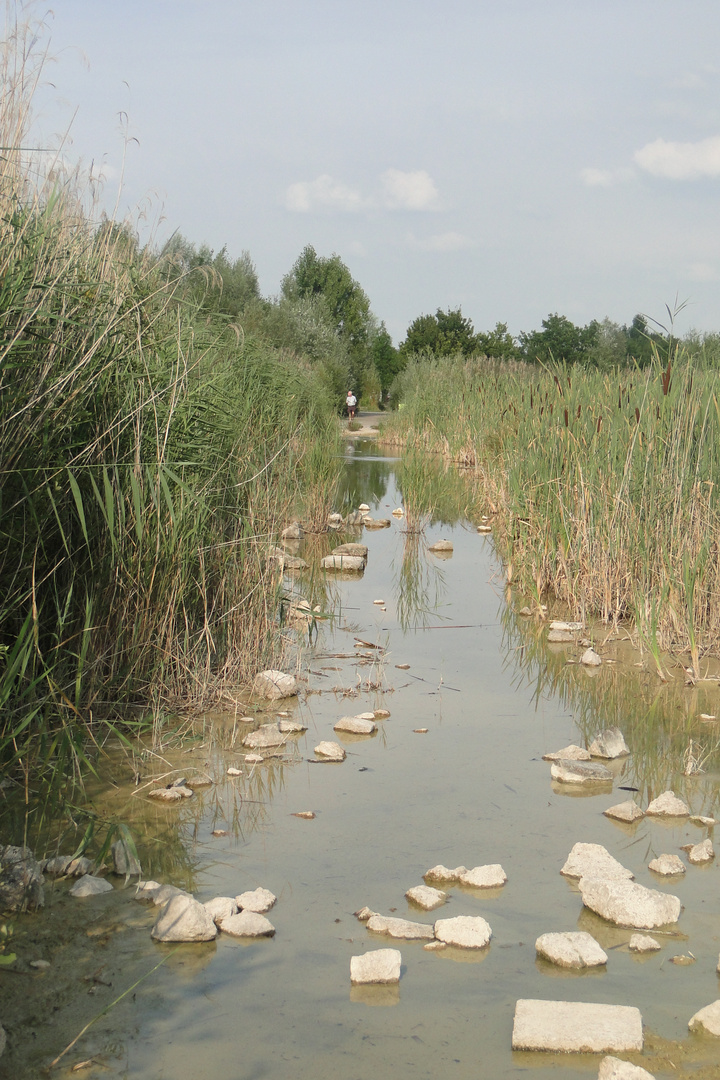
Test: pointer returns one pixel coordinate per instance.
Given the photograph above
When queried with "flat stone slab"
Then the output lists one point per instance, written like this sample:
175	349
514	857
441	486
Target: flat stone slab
560	624
377	966
426	897
330	751
359	550
491	876
580	772
464	931
247	924
612	1068
643	943
628	812
568	753
702	852
343	562
668	805
609	744
259	900
90	886
575	949
626	903
273	685
184	919
355	725
667	865
593	860
576	1027
265	738
707	1019
400	928
444	874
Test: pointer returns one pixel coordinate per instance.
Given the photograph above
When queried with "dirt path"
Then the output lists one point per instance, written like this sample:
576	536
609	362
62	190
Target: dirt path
371	422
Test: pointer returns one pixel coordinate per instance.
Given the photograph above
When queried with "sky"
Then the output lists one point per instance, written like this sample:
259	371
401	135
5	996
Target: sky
514	158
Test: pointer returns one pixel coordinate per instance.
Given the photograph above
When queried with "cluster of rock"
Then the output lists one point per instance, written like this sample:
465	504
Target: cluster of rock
361	724
346	557
183	918
575	765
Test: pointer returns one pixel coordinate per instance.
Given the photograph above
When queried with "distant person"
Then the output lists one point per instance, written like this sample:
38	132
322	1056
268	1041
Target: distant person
351	402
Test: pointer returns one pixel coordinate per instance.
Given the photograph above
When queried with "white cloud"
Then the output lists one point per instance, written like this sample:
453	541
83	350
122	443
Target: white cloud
323	193
409	190
681	161
605	177
449	241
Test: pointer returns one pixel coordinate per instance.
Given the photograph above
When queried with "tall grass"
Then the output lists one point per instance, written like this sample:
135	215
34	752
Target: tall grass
605	483
147	455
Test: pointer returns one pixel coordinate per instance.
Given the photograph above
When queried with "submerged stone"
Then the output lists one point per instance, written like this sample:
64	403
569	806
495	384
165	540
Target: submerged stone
609	744
576	1027
643	943
291	727
400	928
377	966
265	737
377	523
626	903
359	550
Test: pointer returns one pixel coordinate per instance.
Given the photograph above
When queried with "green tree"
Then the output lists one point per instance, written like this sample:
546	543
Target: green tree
498	344
443	334
559	339
387	358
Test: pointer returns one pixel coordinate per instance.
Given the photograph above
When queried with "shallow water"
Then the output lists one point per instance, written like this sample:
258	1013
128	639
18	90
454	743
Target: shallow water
472	790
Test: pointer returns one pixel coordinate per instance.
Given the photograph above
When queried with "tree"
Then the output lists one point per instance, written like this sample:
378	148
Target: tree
559	339
498	344
444	334
387	358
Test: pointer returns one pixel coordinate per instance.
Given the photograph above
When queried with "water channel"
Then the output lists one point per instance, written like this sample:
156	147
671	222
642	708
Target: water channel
472	789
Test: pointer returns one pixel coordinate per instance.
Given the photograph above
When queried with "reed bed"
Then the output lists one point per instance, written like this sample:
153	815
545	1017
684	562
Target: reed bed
605	484
148	454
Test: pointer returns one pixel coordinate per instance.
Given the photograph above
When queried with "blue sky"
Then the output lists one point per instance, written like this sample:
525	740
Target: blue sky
513	157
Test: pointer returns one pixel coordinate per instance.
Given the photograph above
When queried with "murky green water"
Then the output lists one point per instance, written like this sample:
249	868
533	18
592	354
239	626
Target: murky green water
472	790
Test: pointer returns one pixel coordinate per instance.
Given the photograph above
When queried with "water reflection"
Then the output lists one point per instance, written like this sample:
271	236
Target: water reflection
420	584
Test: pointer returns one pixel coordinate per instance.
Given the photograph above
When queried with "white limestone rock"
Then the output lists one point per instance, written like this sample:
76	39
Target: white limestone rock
560	637
700	819
90	886
169	794
464	931
221	907
626	903
441	545
355	725
264	738
377	523
443	874
667	805
702	852
491	876
643	943
146	890
330	751
364	913
707	1019
575	949
568	753
609	744
253	759
576	1027
274	685
580	772
400	928
667	865
184	919
125	863
628	812
426	897
291	727
58	864
258	900
343	562
560	624
247	924
377	966
359	550
163	893
590	658
612	1068
593	860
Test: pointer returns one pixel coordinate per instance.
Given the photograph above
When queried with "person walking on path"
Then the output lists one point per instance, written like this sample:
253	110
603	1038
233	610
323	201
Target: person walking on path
351	402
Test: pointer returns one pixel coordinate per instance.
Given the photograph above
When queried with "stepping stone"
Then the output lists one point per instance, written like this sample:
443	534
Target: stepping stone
355	726
610	744
259	900
667	865
377	966
443	874
612	1068
400	928
266	737
183	919
274	685
330	751
491	876
343	562
707	1019
359	550
580	772
668	805
576	1027
247	924
702	853
575	949
426	897
568	753
464	931
291	727
593	860
643	943
628	812
626	903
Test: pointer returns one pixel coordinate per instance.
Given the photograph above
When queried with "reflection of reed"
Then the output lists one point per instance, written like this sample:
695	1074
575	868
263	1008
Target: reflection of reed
420	584
659	720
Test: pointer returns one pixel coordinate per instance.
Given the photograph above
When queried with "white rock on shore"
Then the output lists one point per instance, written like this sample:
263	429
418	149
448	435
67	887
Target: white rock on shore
575	949
184	919
707	1019
626	903
609	744
426	897
400	928
593	860
576	1027
667	805
377	966
274	685
464	931
491	876
580	772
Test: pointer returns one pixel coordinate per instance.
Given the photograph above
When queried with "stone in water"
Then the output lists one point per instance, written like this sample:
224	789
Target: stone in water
667	865
266	737
259	900
330	751
593	860
400	928
444	874
183	919
625	811
247	924
610	744
355	726
426	897
580	772
575	949
274	685
464	931
576	1027
568	753
378	966
612	1068
667	805
590	658
643	943
491	876
90	886
702	853
626	903
707	1019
